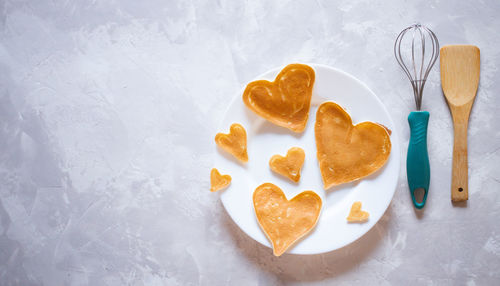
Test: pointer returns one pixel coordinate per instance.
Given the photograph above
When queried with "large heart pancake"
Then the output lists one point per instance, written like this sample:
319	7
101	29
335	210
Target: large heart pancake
348	152
235	142
290	165
286	100
285	221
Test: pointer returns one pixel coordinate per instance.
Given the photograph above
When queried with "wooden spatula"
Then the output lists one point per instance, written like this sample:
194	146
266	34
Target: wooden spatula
459	80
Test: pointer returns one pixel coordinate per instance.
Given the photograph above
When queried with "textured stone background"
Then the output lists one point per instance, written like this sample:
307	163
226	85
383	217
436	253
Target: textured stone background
107	115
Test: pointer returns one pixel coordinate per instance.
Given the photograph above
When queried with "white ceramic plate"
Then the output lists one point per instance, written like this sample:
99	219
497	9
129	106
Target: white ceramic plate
266	139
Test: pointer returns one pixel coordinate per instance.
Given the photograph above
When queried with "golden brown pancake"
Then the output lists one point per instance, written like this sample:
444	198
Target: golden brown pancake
235	142
389	131
356	214
218	181
285	221
286	100
290	165
348	152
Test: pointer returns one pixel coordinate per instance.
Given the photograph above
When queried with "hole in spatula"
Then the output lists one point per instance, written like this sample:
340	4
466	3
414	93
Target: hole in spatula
460	189
419	195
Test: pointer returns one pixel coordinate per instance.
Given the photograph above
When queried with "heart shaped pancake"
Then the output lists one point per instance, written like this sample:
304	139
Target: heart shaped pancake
235	142
218	181
348	152
290	165
285	221
286	100
356	214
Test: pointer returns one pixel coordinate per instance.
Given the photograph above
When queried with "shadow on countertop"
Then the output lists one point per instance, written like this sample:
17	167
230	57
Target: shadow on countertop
293	267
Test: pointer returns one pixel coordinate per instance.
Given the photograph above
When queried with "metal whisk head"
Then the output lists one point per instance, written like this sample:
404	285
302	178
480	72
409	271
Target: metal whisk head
416	54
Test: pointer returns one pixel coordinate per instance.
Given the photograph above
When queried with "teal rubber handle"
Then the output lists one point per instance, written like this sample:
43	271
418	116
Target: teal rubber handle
418	170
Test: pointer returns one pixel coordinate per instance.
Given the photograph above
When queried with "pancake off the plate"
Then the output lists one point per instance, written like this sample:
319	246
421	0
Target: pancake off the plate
348	152
218	181
285	221
286	100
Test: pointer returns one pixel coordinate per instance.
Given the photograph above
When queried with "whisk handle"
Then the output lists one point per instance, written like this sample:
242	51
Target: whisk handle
417	161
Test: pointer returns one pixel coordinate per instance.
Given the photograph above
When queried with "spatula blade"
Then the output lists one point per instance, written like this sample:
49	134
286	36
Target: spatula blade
460	65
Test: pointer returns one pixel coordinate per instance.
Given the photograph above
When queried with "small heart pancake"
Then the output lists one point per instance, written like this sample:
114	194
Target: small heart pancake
348	152
290	165
356	214
218	181
235	142
286	100
285	221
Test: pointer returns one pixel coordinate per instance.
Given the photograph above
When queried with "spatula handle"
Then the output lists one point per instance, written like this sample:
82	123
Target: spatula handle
418	170
460	173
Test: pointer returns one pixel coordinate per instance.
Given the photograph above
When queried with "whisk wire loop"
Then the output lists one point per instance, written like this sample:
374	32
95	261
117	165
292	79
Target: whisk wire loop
418	70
